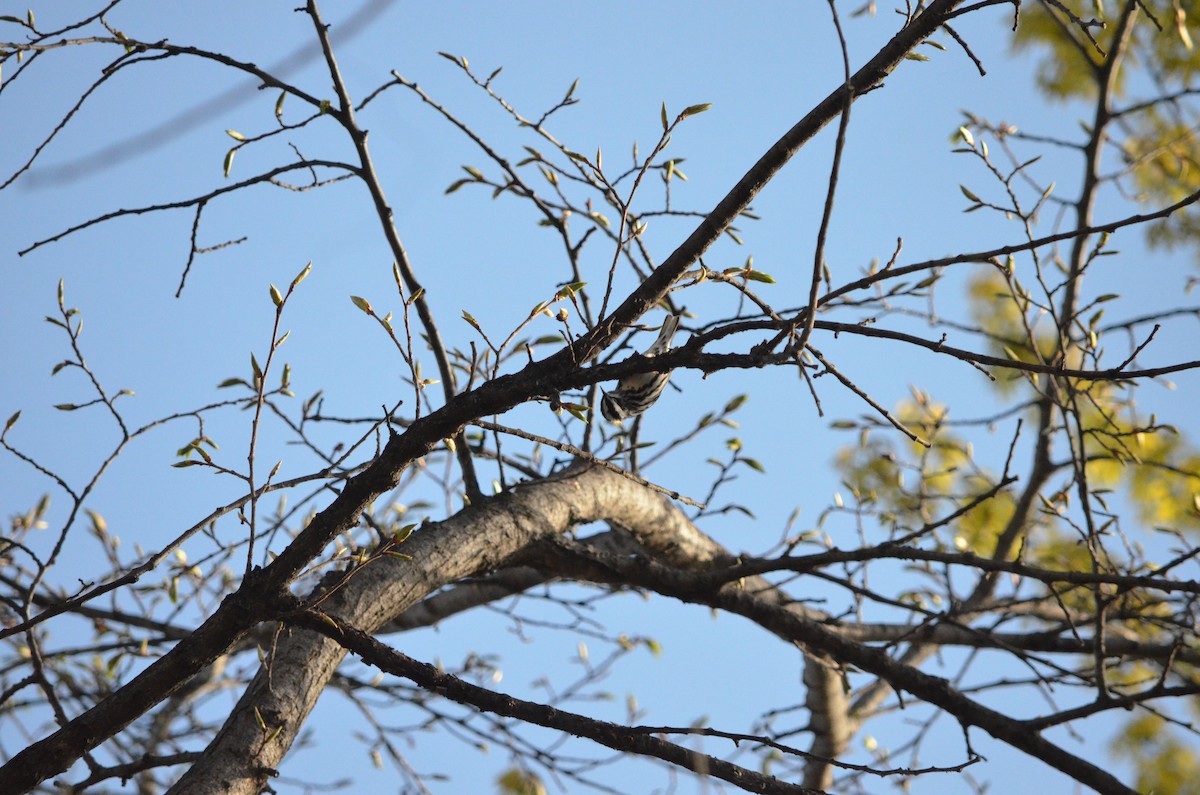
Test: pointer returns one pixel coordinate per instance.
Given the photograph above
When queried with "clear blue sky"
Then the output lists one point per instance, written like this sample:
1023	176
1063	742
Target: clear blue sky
761	65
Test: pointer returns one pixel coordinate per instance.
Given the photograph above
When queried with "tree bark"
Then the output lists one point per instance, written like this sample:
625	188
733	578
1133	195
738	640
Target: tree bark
244	754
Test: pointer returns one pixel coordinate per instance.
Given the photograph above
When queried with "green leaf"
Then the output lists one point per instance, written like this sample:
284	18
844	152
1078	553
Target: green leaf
916	56
967	192
362	304
302	275
736	403
66	406
665	124
279	105
474	172
229	160
228	382
759	276
567	290
578	411
235	135
692	110
276	296
11	421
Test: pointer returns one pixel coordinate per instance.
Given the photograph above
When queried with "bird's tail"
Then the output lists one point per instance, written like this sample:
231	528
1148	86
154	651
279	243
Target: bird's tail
665	334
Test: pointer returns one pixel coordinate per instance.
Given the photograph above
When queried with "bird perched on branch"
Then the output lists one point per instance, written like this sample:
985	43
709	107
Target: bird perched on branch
636	393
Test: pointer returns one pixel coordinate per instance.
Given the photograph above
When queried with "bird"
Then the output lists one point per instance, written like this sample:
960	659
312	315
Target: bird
636	393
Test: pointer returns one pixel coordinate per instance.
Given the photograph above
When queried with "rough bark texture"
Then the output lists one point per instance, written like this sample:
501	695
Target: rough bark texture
243	755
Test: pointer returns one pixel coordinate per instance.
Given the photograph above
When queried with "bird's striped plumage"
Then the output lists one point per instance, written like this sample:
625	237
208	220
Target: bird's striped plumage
636	393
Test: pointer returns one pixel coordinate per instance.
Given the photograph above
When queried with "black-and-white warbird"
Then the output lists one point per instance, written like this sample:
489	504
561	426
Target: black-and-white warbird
636	393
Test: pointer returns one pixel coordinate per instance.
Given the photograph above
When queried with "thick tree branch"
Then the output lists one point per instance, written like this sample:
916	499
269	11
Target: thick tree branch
765	605
473	542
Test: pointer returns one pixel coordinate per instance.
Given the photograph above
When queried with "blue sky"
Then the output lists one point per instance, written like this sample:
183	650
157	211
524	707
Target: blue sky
761	65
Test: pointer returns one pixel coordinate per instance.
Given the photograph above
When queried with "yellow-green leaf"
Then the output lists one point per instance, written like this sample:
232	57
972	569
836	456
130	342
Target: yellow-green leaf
578	411
302	275
99	525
